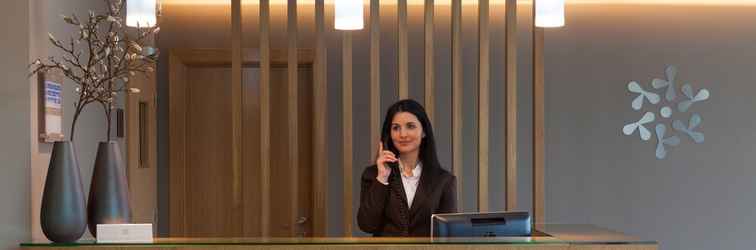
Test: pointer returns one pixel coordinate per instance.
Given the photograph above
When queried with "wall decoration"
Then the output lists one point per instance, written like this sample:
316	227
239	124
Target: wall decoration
669	83
643	131
637	104
661	150
684	104
702	95
695	120
50	106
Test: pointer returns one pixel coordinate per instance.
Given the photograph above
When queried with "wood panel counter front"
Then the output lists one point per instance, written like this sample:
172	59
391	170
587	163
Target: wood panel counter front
556	237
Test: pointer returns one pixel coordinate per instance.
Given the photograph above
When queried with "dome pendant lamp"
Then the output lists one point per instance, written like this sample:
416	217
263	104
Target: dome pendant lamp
349	14
549	13
141	13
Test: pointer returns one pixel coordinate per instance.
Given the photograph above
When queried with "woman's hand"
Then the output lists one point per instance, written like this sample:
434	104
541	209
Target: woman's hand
384	157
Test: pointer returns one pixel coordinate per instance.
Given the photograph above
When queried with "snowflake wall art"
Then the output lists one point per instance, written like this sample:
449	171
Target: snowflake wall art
669	127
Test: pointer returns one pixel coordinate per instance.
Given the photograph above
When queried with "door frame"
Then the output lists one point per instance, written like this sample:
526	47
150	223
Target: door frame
179	61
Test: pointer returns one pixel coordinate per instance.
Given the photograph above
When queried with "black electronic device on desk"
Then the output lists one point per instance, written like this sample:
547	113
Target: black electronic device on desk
494	224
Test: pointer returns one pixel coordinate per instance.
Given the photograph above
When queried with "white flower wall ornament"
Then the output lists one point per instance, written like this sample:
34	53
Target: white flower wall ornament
666	139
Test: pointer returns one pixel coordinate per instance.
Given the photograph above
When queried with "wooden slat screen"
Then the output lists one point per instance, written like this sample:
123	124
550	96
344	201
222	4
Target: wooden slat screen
265	117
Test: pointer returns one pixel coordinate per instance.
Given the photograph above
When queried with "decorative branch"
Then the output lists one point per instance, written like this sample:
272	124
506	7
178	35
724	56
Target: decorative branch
113	57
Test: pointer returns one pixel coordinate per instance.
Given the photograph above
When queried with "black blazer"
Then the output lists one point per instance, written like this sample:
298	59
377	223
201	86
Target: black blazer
383	208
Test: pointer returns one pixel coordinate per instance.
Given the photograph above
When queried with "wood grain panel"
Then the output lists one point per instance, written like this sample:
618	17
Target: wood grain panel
430	98
457	96
511	102
402	50
293	111
483	104
251	157
265	116
236	117
305	141
347	136
375	75
280	174
320	164
538	125
177	145
209	158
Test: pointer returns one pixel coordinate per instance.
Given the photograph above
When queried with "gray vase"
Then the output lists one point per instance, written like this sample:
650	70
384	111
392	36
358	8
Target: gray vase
109	192
63	214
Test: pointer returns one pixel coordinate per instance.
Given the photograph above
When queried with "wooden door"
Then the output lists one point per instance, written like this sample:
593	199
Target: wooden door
208	198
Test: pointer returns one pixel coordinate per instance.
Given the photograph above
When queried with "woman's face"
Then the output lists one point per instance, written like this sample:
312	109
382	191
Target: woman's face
406	132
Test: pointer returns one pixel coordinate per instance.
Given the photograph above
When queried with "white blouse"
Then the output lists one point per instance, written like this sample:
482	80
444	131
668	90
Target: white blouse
410	183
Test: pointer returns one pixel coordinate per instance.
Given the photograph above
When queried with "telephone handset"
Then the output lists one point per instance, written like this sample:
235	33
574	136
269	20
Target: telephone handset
393	165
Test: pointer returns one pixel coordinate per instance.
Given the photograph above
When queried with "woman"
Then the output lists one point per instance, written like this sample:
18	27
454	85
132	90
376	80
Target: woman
407	184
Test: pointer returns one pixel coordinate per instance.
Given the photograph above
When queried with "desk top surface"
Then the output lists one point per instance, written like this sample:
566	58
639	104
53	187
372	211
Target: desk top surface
552	234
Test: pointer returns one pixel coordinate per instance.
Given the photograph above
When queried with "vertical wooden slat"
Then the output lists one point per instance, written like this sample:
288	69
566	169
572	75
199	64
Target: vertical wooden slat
430	101
375	74
347	123
457	96
265	116
538	124
293	107
483	107
511	99
320	178
402	48
177	95
236	117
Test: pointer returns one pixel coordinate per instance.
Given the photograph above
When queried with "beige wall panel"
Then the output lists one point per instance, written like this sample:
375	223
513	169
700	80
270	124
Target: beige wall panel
538	126
265	72
347	126
402	49
511	106
457	96
483	104
293	111
320	178
430	97
375	75
236	105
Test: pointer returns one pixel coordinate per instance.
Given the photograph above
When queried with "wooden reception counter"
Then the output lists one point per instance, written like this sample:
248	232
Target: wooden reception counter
554	237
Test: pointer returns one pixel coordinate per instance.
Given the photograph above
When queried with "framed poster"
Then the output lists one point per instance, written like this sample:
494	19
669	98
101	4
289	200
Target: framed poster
50	106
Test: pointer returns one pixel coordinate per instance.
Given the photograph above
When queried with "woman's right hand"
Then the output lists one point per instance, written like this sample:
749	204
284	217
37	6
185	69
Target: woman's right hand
384	157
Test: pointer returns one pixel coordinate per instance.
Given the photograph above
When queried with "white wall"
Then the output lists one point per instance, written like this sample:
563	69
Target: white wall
14	124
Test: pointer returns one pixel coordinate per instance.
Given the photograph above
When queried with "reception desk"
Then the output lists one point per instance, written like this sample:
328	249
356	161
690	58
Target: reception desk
551	237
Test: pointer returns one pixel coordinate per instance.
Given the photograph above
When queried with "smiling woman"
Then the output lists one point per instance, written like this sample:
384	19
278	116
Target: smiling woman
407	184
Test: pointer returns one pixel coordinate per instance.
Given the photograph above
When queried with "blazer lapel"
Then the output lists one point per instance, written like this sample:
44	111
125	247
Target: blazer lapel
423	190
398	189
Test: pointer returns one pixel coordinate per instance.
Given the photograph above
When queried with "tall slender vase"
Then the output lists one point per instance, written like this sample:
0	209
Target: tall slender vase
109	192
63	214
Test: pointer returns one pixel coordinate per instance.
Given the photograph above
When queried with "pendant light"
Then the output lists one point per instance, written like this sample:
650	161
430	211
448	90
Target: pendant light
549	13
141	13
349	15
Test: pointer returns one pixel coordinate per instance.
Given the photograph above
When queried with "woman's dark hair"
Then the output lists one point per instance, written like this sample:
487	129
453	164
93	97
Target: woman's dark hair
427	154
